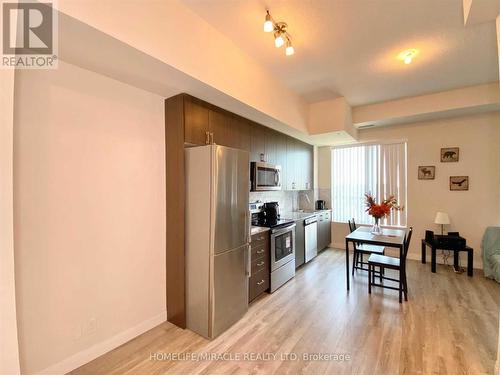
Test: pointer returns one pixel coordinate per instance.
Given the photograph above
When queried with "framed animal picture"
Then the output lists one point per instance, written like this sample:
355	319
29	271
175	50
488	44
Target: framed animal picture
427	172
449	155
459	183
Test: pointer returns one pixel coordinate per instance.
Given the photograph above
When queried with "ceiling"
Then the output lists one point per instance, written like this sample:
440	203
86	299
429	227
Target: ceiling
349	47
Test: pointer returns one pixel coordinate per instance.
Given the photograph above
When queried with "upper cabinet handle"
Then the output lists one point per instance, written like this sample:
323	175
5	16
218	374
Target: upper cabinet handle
207	137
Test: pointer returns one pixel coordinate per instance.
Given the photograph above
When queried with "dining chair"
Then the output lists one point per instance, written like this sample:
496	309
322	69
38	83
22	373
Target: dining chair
361	249
399	264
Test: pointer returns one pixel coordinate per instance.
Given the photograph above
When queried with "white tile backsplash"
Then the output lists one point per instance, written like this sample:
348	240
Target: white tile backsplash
288	200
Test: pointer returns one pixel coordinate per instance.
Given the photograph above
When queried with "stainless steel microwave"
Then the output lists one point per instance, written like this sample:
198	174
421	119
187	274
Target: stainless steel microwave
265	176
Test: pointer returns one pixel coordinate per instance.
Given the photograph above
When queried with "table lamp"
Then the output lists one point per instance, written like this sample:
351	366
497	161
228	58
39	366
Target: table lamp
442	219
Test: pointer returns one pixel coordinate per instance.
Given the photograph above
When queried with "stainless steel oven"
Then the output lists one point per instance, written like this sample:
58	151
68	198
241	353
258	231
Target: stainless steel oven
265	176
282	255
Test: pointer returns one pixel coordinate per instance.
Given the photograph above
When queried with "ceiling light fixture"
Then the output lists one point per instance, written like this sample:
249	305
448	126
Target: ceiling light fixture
408	55
268	24
289	48
281	35
278	40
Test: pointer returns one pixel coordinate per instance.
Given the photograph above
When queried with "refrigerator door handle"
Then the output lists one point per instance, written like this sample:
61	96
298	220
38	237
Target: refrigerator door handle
249	260
247	226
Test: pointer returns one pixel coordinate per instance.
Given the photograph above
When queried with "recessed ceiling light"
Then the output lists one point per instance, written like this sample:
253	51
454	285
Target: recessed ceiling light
408	55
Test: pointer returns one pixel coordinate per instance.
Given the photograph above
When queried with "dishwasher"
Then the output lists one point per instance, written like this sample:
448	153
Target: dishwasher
310	238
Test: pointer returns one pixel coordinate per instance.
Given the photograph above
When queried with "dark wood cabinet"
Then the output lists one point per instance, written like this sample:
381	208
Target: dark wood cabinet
291	164
299	161
190	121
218	126
240	132
205	123
271	138
257	142
196	120
260	273
281	158
324	236
304	181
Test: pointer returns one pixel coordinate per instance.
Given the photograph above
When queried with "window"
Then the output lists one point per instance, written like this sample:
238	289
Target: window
379	169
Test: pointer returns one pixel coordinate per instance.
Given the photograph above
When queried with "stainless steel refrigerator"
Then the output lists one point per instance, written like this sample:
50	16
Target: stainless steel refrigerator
217	238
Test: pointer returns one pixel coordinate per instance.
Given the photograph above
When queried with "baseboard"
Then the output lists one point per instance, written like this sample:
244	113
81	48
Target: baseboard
97	350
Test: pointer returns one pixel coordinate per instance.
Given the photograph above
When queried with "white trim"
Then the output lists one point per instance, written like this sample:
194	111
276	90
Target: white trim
97	350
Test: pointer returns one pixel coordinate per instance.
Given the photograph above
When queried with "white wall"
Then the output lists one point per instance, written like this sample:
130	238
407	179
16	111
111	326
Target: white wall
198	53
9	354
89	215
470	211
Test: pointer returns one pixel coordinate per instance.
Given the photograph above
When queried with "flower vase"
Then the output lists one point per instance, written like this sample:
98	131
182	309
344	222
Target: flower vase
376	227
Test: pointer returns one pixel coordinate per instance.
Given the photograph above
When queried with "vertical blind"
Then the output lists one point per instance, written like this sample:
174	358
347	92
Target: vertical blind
379	169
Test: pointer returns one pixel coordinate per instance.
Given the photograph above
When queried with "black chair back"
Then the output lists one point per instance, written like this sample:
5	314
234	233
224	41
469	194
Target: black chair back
407	242
352	225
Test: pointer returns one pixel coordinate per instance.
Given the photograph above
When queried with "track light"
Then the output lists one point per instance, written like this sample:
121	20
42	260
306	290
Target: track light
289	48
408	55
281	35
278	40
268	24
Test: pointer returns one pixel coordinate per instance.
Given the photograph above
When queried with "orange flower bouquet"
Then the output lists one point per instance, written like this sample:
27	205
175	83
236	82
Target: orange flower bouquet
379	211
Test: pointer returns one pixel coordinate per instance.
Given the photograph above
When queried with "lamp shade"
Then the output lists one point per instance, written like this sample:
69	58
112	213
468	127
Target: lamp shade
442	218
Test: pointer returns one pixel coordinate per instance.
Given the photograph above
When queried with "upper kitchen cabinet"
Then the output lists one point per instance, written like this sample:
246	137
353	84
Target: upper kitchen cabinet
281	158
219	129
257	142
305	151
205	124
271	140
292	173
299	165
240	130
196	130
229	130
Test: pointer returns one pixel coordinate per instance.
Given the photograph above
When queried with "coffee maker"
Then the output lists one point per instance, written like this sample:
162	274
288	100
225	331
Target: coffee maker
320	204
271	211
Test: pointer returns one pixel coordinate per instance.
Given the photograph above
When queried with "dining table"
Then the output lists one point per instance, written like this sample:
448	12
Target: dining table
389	237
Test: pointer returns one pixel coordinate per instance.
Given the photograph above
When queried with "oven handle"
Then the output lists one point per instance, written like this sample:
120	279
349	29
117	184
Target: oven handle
277	232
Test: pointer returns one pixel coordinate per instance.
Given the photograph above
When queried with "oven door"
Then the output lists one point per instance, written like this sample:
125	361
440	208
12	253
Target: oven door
282	246
265	176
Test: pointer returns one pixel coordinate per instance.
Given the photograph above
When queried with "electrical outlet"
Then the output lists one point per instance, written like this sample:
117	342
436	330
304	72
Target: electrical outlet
86	329
92	326
78	332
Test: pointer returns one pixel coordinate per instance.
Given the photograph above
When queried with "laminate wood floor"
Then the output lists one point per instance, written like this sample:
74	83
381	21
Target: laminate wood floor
448	326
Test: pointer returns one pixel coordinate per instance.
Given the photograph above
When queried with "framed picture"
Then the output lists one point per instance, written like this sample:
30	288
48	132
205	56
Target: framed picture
449	155
427	172
459	183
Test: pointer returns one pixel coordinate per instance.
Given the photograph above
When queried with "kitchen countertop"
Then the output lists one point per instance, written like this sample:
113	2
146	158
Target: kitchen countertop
256	230
296	215
317	211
